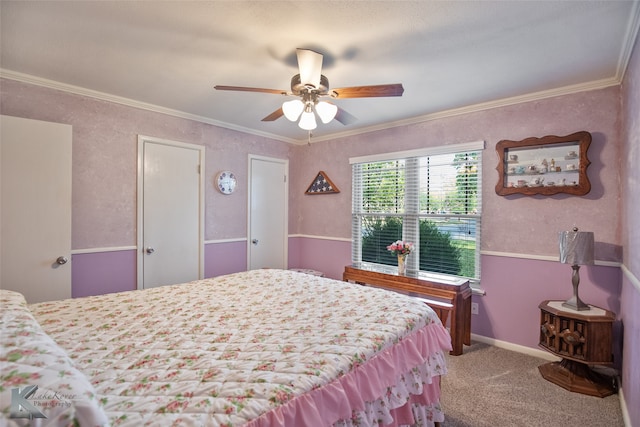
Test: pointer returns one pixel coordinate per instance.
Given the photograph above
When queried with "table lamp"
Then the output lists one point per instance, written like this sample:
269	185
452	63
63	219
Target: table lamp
576	249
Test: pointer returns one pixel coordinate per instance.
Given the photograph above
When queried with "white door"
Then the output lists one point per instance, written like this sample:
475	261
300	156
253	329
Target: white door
36	208
170	212
268	208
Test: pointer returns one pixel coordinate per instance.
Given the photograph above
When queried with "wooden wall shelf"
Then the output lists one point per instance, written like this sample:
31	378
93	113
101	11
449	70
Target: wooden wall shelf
546	166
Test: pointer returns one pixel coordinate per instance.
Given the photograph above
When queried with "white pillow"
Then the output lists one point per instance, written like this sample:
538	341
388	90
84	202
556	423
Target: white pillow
30	357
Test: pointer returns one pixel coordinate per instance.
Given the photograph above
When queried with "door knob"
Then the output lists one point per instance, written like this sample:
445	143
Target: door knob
149	250
62	260
254	241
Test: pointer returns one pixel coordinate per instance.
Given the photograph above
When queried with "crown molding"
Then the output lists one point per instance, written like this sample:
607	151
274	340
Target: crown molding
504	102
629	40
535	96
77	90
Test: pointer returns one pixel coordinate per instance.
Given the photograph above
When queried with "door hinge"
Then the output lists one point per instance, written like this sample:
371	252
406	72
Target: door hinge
285	178
199	170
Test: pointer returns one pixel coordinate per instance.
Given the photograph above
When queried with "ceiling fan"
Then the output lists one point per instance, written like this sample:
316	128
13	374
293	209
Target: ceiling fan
310	86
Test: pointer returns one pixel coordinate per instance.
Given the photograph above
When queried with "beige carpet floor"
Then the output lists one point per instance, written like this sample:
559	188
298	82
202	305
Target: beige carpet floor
490	386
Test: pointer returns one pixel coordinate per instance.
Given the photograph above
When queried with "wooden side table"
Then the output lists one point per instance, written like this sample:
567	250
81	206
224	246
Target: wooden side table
443	293
581	339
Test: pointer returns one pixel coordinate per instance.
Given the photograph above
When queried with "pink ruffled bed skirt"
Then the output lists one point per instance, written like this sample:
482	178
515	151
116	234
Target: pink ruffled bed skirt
398	387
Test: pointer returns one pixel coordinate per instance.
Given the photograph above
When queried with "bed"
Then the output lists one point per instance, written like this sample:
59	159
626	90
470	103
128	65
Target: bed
262	348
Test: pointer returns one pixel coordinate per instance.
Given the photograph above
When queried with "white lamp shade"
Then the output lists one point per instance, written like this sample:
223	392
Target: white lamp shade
308	121
576	247
326	111
292	109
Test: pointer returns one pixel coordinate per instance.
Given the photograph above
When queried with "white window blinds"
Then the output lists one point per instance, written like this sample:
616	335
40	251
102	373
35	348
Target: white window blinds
431	198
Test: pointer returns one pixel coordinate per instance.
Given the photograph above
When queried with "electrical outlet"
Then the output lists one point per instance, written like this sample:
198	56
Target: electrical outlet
474	308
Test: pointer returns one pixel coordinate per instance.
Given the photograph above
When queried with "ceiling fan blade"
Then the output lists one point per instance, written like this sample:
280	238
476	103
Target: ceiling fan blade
251	89
310	66
274	116
368	91
345	118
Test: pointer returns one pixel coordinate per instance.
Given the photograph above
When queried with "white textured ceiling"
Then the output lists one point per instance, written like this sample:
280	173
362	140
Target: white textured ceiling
168	55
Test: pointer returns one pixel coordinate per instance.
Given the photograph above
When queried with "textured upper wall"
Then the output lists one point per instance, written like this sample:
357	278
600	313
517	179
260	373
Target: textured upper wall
513	224
104	177
105	138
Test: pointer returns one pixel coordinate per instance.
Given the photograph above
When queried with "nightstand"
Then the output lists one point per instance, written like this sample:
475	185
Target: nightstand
580	338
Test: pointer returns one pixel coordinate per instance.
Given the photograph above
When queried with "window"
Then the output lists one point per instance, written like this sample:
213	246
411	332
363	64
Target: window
430	197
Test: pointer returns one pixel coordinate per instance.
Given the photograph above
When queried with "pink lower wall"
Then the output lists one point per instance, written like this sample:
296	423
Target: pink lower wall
103	272
225	258
630	374
327	256
96	273
509	311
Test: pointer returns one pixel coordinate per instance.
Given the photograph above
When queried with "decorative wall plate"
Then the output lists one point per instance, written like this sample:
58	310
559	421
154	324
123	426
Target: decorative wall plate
226	182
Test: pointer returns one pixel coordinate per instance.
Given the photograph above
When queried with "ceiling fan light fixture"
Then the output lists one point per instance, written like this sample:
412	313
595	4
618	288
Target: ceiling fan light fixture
309	85
292	109
308	120
326	110
310	64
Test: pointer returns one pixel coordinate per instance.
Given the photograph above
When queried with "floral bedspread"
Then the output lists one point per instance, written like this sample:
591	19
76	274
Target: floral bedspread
42	376
264	348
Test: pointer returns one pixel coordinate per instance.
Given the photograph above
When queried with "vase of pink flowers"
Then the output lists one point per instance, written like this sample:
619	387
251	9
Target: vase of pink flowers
402	250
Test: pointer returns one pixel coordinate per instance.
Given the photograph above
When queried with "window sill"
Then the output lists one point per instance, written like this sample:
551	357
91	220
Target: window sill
478	291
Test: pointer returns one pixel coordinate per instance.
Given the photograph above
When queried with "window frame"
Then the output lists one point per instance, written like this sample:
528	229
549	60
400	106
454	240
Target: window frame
411	229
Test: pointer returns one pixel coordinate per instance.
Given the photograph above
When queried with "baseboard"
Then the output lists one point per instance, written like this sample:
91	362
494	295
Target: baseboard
623	406
542	354
547	356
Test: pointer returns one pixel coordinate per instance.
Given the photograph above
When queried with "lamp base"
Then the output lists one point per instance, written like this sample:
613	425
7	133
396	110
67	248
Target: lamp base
575	303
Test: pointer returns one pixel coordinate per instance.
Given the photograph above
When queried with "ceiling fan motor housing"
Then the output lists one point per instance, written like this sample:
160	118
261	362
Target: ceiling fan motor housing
297	88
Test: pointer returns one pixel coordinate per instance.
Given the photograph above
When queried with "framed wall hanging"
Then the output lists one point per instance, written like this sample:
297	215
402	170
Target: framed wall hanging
322	185
546	166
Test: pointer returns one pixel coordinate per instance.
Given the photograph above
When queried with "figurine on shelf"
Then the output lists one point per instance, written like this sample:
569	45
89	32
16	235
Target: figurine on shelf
543	166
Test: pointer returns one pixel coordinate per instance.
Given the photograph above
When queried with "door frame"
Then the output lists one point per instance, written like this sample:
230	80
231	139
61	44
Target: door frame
142	140
285	237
